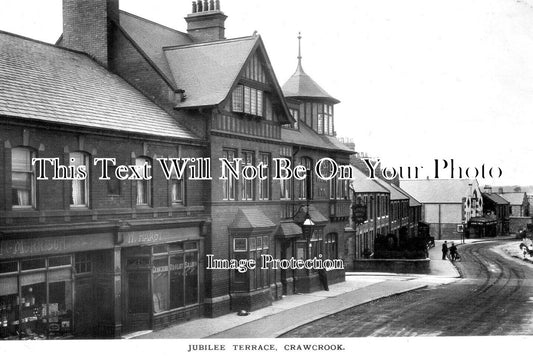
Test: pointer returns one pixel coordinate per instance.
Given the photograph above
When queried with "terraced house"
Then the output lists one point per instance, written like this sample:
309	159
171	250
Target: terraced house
106	257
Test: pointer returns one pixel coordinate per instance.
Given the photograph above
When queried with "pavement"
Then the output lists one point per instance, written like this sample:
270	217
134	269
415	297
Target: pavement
296	310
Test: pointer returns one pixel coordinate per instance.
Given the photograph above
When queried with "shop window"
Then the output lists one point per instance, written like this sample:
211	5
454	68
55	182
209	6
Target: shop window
264	185
175	280
80	187
22	178
177	293
36	298
83	263
28	265
144	187
229	185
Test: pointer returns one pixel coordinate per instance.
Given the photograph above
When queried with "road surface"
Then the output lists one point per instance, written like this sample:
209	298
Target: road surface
495	297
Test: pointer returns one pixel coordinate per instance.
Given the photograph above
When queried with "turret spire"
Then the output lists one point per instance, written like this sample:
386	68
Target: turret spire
299	52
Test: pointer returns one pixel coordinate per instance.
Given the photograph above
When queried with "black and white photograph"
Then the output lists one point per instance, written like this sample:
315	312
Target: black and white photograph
234	176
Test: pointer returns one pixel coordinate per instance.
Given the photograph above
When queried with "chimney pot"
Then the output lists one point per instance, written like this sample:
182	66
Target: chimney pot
207	23
194	8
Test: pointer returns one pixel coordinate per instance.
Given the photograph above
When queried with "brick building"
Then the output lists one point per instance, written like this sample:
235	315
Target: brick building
80	250
377	199
131	255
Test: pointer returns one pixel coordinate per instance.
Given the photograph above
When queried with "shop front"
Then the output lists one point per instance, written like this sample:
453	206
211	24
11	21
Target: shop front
38	286
161	278
483	226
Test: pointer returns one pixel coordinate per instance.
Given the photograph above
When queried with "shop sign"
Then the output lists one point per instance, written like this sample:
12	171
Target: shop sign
155	237
359	213
54	245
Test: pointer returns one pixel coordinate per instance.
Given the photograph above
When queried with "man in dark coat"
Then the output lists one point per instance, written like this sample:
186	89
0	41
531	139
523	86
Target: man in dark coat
323	277
444	250
453	251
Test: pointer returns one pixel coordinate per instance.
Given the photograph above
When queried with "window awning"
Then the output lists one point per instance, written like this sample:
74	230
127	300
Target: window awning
287	230
249	219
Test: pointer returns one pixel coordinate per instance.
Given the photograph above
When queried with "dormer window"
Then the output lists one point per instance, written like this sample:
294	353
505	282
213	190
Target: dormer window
247	100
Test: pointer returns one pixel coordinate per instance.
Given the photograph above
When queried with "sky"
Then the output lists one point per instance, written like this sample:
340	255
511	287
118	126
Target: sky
418	80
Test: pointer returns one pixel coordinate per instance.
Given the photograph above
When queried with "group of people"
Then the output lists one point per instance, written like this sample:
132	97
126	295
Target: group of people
450	253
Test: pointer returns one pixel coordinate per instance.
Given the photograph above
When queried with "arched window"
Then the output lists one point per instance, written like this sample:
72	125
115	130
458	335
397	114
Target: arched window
80	187
22	178
144	187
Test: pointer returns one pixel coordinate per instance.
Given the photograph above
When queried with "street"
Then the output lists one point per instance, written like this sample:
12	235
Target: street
494	297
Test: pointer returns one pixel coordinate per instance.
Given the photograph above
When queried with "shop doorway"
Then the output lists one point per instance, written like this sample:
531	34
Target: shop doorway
136	286
138	301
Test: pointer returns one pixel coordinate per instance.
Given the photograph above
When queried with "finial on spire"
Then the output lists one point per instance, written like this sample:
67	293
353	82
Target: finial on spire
299	48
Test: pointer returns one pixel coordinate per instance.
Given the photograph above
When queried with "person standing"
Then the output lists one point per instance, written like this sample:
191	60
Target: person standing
444	250
453	251
323	277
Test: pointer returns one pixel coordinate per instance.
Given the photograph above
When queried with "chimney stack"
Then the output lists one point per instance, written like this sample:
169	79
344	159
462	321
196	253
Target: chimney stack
206	22
488	189
87	27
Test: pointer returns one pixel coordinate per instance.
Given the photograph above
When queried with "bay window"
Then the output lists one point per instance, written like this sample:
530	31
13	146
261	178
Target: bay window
251	247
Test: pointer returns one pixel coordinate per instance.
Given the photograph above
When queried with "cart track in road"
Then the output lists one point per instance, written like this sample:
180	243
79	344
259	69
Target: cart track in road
493	298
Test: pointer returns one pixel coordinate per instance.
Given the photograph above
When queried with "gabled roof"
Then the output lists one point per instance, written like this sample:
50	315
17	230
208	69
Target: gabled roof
362	184
151	37
514	198
438	190
301	85
306	136
207	71
495	198
43	82
412	201
395	193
